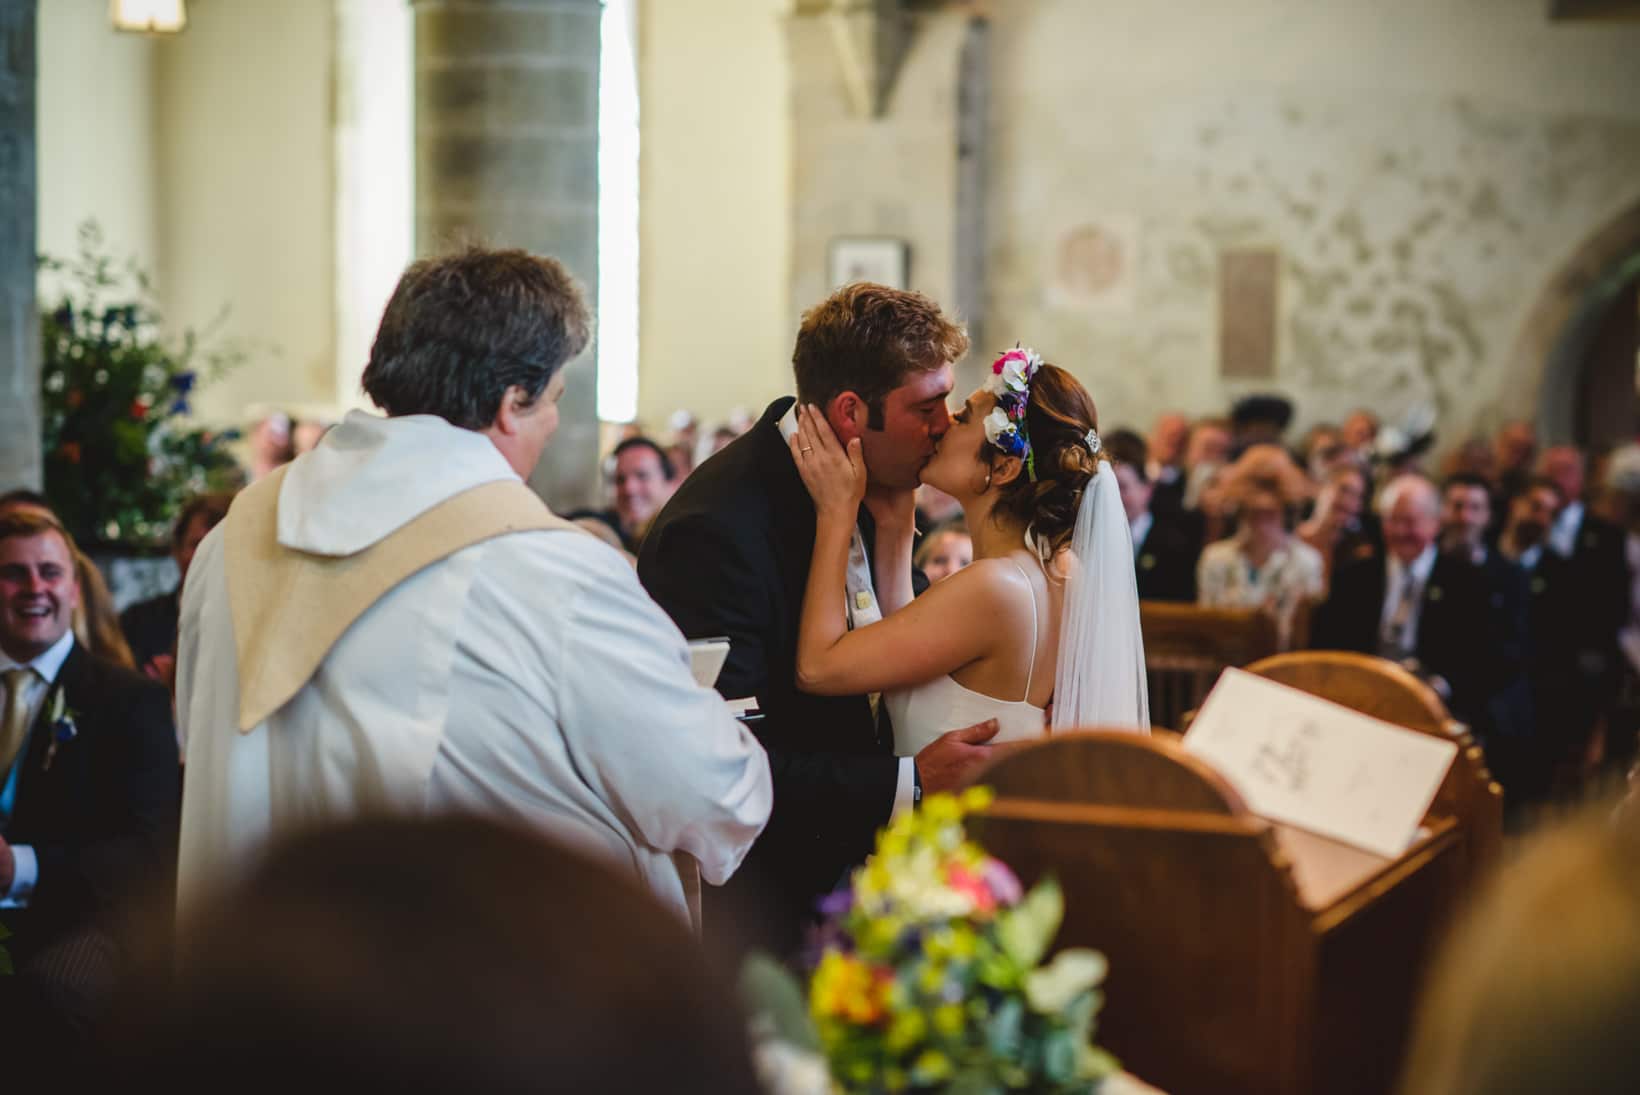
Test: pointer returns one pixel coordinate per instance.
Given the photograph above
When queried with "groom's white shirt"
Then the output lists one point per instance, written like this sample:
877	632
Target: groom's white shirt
862	609
527	677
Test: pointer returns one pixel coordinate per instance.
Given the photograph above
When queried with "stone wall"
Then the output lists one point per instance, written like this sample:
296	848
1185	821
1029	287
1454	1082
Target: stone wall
19	324
1423	172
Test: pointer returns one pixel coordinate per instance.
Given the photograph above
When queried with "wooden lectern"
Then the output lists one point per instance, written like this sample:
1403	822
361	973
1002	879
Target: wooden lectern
1245	956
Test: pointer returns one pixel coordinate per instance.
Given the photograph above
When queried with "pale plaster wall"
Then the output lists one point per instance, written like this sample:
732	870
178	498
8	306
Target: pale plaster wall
715	322
1424	167
245	152
96	128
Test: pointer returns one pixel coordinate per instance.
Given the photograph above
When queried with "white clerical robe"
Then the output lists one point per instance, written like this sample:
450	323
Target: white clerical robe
527	677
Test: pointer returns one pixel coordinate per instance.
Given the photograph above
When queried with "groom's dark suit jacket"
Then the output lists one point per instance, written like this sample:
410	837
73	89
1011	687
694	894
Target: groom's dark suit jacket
729	555
101	816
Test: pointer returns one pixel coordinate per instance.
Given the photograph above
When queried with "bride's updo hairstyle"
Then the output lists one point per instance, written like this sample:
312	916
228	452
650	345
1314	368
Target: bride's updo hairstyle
1058	416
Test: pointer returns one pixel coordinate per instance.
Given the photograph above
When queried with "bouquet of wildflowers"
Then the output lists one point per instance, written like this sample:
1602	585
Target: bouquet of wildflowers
120	457
930	974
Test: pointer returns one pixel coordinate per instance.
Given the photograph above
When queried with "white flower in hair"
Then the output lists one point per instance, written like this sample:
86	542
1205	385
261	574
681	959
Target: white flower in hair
998	425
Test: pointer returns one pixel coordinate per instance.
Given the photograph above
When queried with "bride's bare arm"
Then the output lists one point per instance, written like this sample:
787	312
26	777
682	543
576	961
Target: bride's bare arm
946	628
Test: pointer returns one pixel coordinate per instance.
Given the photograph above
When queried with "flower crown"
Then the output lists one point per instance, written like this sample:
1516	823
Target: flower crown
1010	382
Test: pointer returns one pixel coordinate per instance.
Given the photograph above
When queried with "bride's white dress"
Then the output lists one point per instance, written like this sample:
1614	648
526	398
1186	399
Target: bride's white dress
925	711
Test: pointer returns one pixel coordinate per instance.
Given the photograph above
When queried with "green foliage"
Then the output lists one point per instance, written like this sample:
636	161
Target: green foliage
120	456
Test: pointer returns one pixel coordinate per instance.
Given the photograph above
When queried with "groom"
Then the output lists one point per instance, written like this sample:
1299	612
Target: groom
729	556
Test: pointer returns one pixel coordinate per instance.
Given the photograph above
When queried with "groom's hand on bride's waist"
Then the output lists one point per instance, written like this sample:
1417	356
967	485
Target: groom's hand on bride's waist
952	760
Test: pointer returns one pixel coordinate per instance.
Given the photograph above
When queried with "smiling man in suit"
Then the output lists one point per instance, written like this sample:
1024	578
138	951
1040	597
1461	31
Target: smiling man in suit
729	556
89	785
1463	624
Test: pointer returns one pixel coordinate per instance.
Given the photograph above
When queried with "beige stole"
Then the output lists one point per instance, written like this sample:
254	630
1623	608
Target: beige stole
290	607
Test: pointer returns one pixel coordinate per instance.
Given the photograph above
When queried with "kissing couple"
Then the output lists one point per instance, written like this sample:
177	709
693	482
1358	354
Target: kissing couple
795	543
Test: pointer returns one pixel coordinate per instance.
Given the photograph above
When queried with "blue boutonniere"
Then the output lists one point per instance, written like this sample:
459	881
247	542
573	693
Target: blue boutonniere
61	727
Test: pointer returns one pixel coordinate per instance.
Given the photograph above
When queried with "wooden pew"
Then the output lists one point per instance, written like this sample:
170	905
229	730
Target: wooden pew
1247	958
1186	648
1384	690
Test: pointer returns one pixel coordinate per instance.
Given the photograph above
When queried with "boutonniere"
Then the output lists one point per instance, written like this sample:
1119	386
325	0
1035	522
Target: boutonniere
61	726
1147	561
1538	585
1435	593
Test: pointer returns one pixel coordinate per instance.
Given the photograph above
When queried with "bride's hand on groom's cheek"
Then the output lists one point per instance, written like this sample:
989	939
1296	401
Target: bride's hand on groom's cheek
834	473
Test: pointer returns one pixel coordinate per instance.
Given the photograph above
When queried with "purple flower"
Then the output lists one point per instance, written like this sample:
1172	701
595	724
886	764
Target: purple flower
183	382
1003	883
837	902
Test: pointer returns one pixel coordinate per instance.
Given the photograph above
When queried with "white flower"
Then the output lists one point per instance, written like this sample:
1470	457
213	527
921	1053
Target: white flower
997	423
784	1069
1016	372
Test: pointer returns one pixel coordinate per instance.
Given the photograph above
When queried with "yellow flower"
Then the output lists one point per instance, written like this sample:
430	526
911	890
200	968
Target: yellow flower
948	1019
975	799
905	1030
931	1067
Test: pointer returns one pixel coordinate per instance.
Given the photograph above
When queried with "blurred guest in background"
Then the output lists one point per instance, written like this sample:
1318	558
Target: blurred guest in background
1165	458
1514	449
1166	545
1207	450
150	626
643	477
1335	527
935	508
271	444
96	623
945	551
1259	420
1359	431
1263	566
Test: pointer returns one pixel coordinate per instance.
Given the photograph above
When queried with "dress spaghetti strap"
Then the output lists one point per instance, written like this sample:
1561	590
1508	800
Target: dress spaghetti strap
1030	672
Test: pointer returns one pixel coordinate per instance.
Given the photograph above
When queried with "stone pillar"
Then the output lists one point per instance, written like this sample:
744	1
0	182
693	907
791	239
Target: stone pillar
507	155
19	320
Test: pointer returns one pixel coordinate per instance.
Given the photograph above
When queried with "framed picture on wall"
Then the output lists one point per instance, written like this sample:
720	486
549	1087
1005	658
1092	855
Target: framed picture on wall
883	260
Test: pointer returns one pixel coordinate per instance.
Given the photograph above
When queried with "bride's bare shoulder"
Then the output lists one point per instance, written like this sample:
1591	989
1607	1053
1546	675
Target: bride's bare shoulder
995	582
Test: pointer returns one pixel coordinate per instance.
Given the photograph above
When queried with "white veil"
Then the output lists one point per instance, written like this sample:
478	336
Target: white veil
1100	678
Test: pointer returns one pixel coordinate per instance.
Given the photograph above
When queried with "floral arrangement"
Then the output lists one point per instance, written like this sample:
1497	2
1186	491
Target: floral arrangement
1010	382
930	978
119	458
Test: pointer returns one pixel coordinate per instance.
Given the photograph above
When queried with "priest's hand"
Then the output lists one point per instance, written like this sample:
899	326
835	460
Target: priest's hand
952	760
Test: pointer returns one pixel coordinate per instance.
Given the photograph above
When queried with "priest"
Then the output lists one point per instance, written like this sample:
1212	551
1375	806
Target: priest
395	623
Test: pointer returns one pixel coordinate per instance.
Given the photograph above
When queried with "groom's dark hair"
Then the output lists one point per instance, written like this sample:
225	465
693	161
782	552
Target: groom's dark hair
866	339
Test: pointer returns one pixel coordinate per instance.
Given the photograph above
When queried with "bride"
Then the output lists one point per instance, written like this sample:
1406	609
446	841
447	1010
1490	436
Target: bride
1046	617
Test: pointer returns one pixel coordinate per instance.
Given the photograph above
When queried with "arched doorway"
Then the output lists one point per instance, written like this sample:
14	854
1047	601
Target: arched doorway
1608	411
1568	360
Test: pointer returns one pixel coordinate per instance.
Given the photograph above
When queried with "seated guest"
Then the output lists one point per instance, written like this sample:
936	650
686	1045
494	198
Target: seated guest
1164	458
1569	656
88	785
1358	431
1599	574
1409	603
1206	449
1259	420
547	971
151	626
395	622
96	624
1263	566
644	477
1165	547
1466	514
1335	527
272	444
944	551
1537	988
1514	448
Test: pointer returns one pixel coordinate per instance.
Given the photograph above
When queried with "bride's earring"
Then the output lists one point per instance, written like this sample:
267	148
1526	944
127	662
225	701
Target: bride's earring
987	485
